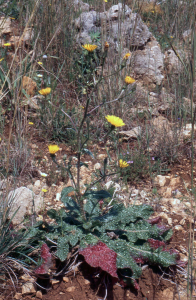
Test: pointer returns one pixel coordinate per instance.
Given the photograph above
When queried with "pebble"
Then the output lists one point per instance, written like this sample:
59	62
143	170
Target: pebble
28	288
39	294
65	279
58	196
70	289
54	281
17	296
37	183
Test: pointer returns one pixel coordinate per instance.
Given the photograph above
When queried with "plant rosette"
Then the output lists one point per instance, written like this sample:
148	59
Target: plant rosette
118	240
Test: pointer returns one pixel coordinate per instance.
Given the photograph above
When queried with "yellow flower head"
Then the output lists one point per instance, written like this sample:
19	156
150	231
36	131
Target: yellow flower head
123	164
31	123
105	0
106	45
126	56
129	80
53	149
44	190
7	44
45	91
1	58
115	121
40	63
89	47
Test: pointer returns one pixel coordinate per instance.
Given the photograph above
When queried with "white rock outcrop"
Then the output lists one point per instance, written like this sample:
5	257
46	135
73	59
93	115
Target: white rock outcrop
25	201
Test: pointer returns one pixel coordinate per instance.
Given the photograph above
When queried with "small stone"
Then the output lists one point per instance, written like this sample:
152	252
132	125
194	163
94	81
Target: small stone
86	281
54	281
18	296
102	156
182	222
71	289
178	227
175	202
27	277
58	196
143	194
28	288
39	294
97	166
160	180
65	279
169	220
37	183
134	193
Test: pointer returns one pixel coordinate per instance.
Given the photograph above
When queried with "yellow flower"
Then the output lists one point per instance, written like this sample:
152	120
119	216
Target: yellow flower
126	56
107	45
115	121
7	44
31	123
44	190
89	47
0	139
105	0
53	149
12	18
40	63
152	11
1	58
171	37
45	91
129	80
123	164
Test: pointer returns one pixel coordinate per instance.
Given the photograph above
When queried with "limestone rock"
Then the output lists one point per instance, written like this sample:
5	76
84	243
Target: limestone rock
187	35
148	63
18	296
80	6
29	86
28	288
71	289
133	31
28	35
133	133
172	62
5	26
160	180
39	294
23	198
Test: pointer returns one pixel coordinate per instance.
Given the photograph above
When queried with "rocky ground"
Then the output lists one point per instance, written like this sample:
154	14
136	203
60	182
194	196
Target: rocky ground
41	182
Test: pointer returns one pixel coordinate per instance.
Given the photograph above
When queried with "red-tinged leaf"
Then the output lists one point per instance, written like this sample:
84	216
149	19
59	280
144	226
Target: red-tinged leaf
155	244
136	285
122	283
45	252
41	270
139	260
101	256
173	251
47	257
162	228
154	220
